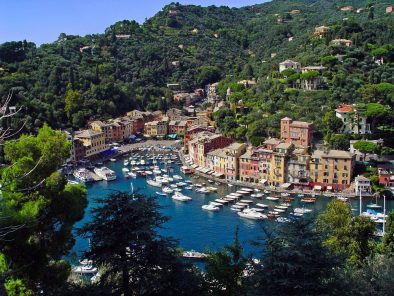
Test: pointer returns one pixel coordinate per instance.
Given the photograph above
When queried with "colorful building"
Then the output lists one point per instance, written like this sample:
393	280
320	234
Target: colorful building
297	132
93	141
353	121
331	170
192	131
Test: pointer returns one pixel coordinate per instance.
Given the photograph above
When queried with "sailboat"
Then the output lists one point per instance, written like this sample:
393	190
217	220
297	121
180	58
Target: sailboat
374	205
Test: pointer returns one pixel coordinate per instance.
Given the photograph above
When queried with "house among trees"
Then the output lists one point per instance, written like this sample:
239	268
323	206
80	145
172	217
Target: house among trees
353	121
389	9
322	31
342	42
311	77
346	8
289	64
366	156
297	132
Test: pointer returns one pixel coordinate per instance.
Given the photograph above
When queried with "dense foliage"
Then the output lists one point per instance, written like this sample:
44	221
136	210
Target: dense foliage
77	78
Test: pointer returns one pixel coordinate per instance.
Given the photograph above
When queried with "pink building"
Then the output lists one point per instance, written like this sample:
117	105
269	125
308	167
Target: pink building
296	132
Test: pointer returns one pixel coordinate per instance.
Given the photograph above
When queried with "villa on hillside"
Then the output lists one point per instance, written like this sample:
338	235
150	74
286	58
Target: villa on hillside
296	66
322	31
342	42
353	121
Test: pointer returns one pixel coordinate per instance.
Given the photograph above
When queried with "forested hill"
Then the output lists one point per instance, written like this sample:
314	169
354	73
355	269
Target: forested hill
77	78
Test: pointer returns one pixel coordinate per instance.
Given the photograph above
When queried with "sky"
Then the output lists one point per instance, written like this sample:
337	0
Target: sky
41	21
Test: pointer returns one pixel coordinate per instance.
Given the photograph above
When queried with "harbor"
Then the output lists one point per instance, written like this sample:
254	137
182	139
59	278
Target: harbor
204	212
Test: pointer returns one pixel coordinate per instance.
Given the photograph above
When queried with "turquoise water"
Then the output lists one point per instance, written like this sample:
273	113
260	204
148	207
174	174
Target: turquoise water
189	224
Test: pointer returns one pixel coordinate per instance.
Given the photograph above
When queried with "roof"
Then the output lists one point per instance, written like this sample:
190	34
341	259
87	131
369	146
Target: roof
314	68
332	154
301	123
218	153
272	141
289	62
284	146
344	108
286	118
87	134
235	146
361	178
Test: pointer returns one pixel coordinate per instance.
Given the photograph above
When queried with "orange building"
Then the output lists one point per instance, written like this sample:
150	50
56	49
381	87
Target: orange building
296	132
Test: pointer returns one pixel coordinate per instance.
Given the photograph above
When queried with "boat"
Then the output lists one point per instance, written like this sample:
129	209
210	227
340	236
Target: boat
247	189
180	197
267	191
282	220
125	170
132	174
153	183
210	207
216	204
161	193
105	173
250	214
87	268
230	185
308	200
177	177
222	201
285	194
203	190
186	170
247	201
261	205
212	189
342	198
83	175
257	195
193	255
373	206
272	198
126	163
189	187
112	159
302	210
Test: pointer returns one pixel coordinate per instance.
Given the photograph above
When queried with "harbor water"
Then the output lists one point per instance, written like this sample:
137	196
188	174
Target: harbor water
194	228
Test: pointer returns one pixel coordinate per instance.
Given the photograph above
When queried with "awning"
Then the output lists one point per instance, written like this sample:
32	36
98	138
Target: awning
263	181
285	185
317	187
194	166
329	187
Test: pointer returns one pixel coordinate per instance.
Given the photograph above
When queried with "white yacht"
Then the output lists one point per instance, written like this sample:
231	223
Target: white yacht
177	177
153	183
125	170
168	190
250	214
105	173
272	198
83	176
210	207
180	197
132	174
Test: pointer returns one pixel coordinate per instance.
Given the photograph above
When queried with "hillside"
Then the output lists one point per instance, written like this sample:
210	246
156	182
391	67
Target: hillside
78	78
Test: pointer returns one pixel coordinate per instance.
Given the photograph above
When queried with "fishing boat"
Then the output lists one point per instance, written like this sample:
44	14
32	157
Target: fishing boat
180	197
210	207
105	173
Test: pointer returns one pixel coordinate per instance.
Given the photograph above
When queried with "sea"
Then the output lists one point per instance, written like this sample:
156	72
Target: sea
194	228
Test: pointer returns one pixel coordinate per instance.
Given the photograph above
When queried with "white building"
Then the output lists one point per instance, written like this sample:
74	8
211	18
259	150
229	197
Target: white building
296	66
353	121
363	185
368	156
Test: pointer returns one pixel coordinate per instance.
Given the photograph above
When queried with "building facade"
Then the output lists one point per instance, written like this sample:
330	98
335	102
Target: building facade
353	121
296	132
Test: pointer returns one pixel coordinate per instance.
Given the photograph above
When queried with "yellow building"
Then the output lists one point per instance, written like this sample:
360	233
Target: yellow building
278	169
156	128
93	141
332	169
105	128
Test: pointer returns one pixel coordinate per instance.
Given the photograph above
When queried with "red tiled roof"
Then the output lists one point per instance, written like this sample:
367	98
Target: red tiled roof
345	108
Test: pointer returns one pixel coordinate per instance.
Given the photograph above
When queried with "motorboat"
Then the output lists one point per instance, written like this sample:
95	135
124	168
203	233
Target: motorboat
125	170
250	214
247	201
212	189
105	173
285	194
342	198
153	183
203	190
132	174
210	207
261	205
180	197
177	177
83	175
267	191
302	210
193	255
282	220
161	193
272	198
85	269
216	204
373	206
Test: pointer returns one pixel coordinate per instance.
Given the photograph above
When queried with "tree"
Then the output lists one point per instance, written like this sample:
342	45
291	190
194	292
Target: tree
332	122
37	197
207	74
224	269
366	147
346	236
387	244
137	261
72	100
376	112
294	262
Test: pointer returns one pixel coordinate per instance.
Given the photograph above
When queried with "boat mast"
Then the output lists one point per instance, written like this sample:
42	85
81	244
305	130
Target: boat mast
361	202
384	212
